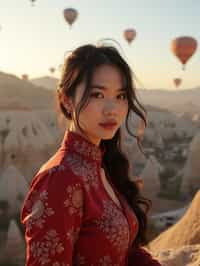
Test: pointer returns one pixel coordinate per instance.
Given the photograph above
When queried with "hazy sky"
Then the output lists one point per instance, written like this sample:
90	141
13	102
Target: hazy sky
34	38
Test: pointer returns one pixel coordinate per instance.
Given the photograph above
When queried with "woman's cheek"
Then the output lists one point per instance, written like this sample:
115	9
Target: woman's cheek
94	107
91	112
123	108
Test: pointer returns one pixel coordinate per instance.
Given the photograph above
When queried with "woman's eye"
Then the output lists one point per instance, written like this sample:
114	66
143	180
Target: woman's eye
122	96
99	95
96	95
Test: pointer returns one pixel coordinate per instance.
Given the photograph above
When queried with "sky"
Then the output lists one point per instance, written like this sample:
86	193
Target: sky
34	38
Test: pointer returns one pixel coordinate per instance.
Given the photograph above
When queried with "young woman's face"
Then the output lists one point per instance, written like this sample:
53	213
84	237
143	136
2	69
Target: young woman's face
107	107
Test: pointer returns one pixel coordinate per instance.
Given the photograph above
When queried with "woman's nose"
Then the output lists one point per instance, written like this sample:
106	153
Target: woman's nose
110	106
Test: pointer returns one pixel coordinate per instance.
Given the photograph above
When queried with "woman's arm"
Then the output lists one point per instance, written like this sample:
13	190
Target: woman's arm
140	257
52	215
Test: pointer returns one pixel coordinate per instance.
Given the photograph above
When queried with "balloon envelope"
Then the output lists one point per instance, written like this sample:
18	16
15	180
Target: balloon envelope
177	82
184	47
25	77
52	70
70	15
32	1
129	35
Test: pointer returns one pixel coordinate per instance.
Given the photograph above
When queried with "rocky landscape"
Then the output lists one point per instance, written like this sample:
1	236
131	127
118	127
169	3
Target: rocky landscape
31	131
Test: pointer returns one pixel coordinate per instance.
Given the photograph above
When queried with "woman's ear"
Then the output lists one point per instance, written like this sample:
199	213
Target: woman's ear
66	101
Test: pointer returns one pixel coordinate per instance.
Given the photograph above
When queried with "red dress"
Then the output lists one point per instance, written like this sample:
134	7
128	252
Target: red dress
70	218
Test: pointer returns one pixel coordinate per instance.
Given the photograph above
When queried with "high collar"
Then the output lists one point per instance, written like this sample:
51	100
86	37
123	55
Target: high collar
76	143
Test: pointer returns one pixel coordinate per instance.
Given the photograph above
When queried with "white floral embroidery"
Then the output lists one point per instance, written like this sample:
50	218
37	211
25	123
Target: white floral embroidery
74	199
83	168
50	246
38	209
59	264
52	170
114	224
72	235
87	149
106	261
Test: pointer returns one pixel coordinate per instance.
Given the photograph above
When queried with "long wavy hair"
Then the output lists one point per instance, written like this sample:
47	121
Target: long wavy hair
80	66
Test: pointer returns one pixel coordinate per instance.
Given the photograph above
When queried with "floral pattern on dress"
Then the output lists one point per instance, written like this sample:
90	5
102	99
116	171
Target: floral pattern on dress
56	263
72	235
104	236
84	168
114	225
87	149
38	209
56	168
74	199
42	251
106	261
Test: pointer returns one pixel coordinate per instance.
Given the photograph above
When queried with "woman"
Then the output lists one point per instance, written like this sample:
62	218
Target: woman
81	208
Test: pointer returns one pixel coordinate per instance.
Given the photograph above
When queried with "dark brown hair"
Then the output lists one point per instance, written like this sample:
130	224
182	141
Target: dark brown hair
80	66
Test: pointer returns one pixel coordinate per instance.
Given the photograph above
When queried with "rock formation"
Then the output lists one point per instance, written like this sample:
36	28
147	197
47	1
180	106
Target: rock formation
185	232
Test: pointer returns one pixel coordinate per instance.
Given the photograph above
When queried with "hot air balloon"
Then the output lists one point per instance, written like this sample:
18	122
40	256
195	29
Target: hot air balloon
52	70
25	77
184	47
177	82
129	35
32	1
70	15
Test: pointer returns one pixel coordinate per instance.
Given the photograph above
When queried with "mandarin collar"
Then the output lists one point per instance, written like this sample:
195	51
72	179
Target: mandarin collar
76	143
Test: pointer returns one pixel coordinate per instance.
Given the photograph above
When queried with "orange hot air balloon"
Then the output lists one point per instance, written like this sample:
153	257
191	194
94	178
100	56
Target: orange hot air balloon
184	47
177	82
25	77
129	35
52	70
70	15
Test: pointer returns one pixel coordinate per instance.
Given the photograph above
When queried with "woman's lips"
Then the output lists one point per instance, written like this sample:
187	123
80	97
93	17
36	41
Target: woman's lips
109	126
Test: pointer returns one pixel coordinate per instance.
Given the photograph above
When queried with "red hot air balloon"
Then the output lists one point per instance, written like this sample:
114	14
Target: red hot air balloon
129	35
177	82
25	77
184	47
70	15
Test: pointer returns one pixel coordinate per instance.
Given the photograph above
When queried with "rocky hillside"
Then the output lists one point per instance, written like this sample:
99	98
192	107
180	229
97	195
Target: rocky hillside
21	94
45	82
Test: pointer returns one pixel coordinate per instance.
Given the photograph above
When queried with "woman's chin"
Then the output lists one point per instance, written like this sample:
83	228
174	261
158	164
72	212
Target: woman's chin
108	136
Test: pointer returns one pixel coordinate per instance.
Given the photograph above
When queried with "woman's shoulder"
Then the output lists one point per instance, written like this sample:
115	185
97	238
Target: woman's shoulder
56	173
51	184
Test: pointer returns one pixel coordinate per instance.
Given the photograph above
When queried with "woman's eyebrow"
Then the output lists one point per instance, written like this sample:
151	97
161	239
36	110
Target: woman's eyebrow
101	87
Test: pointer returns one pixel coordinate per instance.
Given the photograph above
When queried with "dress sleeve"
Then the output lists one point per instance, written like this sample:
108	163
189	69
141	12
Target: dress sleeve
52	216
140	257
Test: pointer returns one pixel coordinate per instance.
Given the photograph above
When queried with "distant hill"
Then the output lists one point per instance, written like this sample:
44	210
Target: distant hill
20	94
179	101
40	93
46	82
